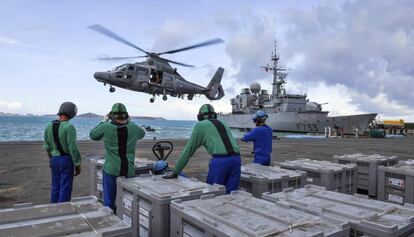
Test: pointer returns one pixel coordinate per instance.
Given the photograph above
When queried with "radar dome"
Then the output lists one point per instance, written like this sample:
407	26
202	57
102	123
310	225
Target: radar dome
255	87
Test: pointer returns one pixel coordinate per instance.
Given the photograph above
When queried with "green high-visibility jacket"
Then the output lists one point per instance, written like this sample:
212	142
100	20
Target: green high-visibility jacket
205	134
119	142
67	138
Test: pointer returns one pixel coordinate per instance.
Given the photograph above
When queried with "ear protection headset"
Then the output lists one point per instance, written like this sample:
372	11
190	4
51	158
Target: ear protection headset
119	115
209	113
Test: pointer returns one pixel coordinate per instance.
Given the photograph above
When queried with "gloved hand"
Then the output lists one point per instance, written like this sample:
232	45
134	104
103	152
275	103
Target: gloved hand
173	175
77	170
105	118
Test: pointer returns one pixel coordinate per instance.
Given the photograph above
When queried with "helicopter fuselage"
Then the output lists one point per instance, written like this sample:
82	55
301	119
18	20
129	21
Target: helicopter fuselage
155	78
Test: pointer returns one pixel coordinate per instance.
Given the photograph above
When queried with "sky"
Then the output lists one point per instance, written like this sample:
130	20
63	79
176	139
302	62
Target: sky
356	56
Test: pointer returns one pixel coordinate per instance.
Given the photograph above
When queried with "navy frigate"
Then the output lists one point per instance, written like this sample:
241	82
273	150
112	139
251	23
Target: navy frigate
288	112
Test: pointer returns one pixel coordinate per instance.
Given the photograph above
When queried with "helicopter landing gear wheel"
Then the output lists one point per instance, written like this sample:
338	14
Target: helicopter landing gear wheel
164	97
152	100
112	89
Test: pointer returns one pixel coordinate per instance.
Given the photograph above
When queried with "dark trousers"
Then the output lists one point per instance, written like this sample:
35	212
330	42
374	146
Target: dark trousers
262	159
225	171
109	190
62	178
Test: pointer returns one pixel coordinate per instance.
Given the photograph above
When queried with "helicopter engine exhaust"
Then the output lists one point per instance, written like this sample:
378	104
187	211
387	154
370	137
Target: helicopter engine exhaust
214	89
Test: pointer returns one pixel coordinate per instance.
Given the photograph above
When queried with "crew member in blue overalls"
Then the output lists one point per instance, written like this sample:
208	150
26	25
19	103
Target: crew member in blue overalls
217	139
65	158
261	135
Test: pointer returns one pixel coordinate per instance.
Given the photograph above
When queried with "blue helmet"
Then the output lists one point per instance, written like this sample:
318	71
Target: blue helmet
259	115
160	166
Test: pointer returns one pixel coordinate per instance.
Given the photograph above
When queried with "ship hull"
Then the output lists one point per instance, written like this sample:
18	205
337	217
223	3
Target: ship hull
305	122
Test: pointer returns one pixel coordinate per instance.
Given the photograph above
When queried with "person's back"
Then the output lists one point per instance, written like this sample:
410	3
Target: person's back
120	137
217	139
262	136
262	140
119	142
65	158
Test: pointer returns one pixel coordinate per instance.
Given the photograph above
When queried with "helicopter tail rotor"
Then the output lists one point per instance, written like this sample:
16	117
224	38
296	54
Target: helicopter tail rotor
214	89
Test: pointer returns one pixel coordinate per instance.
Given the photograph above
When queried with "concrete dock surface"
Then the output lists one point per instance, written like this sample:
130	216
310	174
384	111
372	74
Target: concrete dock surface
25	173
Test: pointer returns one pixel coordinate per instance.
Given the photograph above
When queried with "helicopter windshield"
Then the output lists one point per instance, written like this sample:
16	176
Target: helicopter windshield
121	68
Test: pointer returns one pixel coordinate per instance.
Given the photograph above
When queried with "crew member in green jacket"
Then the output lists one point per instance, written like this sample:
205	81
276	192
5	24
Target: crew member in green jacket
217	139
65	158
120	137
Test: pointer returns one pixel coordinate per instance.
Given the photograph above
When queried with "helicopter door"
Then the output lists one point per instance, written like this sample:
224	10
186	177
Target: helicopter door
156	76
129	72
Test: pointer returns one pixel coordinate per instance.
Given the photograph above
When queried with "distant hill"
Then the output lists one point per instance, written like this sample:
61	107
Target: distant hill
92	115
89	115
13	114
85	115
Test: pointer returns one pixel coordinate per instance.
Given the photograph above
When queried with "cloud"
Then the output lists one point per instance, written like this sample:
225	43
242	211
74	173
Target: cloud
367	46
7	40
250	42
176	33
10	105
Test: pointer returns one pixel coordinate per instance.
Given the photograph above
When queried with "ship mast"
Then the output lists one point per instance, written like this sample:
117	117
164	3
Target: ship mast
279	75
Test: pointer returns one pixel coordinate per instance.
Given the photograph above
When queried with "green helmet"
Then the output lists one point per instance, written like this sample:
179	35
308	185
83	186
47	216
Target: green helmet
206	111
119	111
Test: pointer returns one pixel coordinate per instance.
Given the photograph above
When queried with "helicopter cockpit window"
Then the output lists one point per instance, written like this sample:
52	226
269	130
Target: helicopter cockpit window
156	76
121	68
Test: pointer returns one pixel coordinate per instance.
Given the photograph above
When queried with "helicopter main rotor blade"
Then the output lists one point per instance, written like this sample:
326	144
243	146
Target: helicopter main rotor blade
206	43
118	58
112	35
178	63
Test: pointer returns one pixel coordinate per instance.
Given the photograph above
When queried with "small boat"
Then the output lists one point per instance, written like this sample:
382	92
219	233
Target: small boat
148	128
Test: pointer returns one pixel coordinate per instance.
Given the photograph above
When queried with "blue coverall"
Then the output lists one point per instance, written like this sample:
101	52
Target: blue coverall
262	138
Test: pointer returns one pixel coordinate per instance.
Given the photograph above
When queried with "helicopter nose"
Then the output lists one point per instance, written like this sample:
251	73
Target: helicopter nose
101	76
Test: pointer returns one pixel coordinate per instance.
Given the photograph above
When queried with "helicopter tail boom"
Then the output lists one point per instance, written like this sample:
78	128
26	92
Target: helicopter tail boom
214	89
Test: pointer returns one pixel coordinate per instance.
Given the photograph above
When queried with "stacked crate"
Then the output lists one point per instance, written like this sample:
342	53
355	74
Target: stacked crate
367	169
333	176
396	183
142	166
367	217
83	216
239	214
144	202
257	179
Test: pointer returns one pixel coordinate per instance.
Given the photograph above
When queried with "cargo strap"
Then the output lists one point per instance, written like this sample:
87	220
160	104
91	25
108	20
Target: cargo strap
55	126
122	132
224	136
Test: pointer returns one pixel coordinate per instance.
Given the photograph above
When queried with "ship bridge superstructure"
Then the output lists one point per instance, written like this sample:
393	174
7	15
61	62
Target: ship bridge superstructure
255	98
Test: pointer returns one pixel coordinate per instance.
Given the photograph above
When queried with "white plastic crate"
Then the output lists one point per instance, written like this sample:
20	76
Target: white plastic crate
142	166
333	176
83	216
257	179
241	215
367	169
367	216
144	202
396	183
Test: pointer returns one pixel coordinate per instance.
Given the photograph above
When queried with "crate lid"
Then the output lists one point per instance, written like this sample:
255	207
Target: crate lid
316	165
365	157
377	216
405	167
155	188
240	214
261	172
83	216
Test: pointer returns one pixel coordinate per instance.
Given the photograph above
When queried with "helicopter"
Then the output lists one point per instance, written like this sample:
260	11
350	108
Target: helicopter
155	75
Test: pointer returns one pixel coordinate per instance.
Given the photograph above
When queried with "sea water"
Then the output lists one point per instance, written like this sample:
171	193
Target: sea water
31	128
